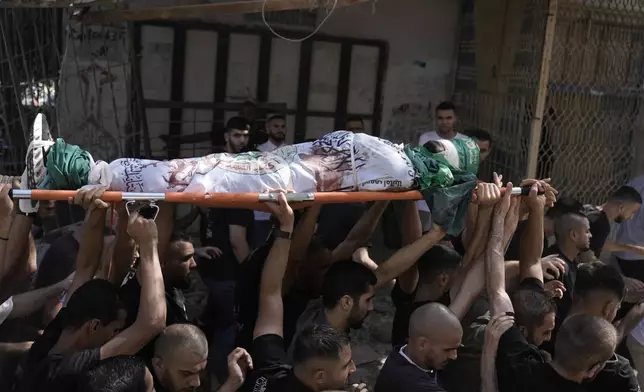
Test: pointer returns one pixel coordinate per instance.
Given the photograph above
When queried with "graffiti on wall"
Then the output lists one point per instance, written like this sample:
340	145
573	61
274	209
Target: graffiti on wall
411	112
408	121
94	88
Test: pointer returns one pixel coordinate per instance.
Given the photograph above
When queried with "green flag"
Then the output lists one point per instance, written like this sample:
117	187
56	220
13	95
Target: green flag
446	172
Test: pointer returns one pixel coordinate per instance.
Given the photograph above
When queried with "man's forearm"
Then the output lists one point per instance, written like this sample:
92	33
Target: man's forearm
29	302
152	308
494	258
407	256
241	251
489	381
365	227
17	243
531	247
612	246
626	325
275	267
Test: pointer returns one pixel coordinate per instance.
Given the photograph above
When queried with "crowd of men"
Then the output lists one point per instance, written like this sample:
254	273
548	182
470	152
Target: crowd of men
519	301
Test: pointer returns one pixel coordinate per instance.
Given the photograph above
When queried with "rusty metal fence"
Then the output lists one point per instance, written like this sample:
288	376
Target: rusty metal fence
584	59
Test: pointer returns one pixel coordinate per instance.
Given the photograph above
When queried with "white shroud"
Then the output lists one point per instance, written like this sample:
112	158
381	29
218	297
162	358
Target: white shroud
339	161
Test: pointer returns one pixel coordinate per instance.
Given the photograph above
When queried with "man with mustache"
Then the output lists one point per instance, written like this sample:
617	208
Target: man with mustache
621	206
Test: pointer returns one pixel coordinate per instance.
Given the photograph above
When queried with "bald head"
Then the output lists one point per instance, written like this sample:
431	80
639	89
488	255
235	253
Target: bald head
181	339
432	320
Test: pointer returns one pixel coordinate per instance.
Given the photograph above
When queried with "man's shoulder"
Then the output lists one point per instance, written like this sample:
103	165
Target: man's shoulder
268	379
57	366
271	371
618	374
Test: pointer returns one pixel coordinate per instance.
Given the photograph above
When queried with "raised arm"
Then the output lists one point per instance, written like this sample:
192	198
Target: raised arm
495	329
6	217
407	256
494	258
300	244
19	261
361	232
150	320
532	237
270	318
238	223
91	244
412	230
123	250
27	303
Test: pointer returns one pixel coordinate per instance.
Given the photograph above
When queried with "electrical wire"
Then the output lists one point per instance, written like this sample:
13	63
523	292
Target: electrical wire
278	35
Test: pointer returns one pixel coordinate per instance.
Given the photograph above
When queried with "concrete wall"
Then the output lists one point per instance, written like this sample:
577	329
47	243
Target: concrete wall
421	36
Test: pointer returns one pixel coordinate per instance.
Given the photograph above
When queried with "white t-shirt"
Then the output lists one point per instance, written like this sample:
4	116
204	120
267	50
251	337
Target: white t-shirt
424	138
269	146
5	309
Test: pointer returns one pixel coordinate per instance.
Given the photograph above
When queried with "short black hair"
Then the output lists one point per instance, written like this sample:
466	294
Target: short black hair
354	118
563	206
346	278
596	276
567	222
318	341
179	236
438	259
531	306
95	299
583	342
446	105
237	123
276	117
116	374
626	194
479	134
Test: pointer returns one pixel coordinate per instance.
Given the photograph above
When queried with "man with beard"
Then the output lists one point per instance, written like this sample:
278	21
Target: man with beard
236	135
181	354
276	131
176	261
347	298
435	335
620	207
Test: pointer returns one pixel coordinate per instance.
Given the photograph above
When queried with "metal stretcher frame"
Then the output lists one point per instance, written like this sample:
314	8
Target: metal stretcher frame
252	201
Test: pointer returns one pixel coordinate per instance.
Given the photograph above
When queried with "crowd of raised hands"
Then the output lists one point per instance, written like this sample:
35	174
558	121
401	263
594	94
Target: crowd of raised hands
97	328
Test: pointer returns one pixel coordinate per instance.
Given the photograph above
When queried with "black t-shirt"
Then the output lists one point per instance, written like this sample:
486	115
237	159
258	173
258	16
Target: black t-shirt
405	306
617	375
59	372
176	311
568	279
599	228
520	368
399	374
271	372
215	231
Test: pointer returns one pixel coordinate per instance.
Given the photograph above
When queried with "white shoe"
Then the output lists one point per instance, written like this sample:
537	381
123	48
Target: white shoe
35	171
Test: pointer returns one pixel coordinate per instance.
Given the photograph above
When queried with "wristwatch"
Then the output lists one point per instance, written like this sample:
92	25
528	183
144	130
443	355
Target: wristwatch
283	234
